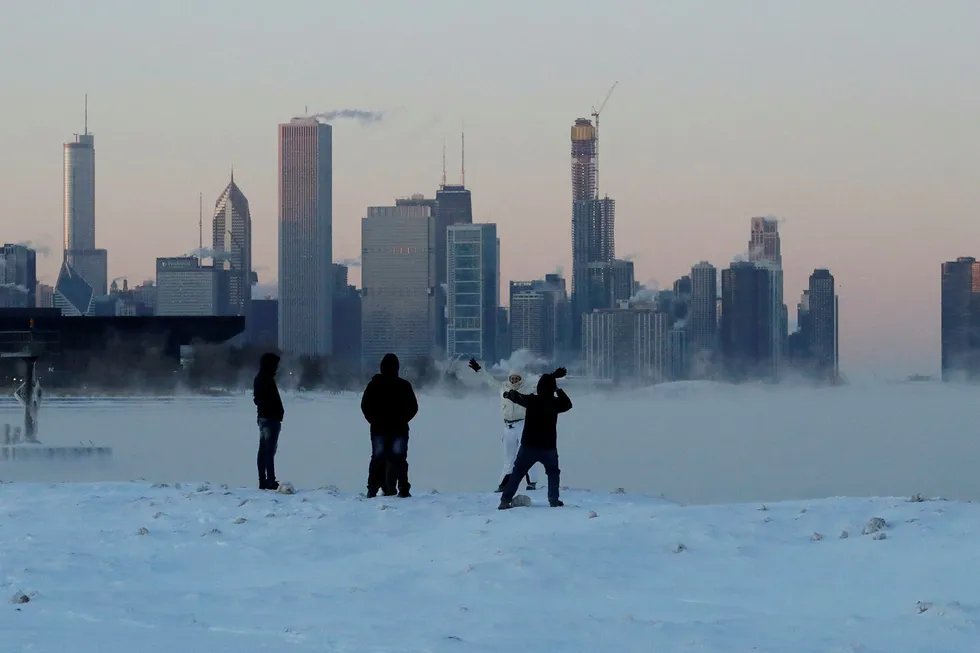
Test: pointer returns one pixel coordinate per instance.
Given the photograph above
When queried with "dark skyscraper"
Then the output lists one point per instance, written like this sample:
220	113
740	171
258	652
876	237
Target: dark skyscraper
822	320
960	330
704	308
748	324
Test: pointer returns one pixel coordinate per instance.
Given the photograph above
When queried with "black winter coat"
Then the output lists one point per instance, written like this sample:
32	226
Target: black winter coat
541	420
389	404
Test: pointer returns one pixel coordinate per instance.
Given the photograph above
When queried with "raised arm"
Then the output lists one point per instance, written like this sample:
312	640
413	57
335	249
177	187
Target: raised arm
517	397
484	375
564	403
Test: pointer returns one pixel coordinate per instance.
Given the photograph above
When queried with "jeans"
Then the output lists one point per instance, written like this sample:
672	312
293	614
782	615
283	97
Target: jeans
388	469
526	458
268	444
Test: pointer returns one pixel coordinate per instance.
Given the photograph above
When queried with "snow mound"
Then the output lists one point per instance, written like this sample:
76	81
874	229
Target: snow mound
247	570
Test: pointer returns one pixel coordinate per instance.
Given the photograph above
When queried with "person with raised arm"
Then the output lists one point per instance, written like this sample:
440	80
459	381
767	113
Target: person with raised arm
513	415
539	440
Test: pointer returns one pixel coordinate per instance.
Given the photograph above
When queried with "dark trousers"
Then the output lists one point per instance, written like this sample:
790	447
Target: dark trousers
388	470
268	444
526	458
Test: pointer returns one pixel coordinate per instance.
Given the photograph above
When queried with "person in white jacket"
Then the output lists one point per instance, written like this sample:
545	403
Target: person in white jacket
513	415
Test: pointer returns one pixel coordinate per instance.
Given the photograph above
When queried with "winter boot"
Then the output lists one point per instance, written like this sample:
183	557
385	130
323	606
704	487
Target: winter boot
504	505
371	493
557	503
272	485
532	485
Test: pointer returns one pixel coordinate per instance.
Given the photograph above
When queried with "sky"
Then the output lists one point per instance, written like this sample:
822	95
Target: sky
854	122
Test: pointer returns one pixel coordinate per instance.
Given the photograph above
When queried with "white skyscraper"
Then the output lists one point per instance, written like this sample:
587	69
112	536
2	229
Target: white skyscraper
306	237
473	281
85	262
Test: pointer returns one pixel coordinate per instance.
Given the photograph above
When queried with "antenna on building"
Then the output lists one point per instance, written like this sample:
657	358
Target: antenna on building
200	225
443	161
462	155
86	114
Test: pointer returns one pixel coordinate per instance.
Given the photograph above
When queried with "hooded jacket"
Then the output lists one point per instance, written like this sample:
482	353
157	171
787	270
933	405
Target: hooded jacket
388	403
265	392
543	409
510	411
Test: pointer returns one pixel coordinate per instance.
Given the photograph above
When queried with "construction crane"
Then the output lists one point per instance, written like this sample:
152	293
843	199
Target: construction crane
595	114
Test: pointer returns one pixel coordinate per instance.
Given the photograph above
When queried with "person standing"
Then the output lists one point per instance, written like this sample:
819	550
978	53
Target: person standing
389	404
270	413
513	415
539	441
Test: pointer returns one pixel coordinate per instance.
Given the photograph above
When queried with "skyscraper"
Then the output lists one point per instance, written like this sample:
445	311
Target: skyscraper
473	291
748	322
704	308
764	241
398	272
232	247
18	275
593	225
960	324
86	261
454	205
822	317
306	237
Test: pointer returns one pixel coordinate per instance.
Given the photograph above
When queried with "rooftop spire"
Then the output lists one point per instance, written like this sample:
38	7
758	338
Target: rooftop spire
462	155
233	173
443	161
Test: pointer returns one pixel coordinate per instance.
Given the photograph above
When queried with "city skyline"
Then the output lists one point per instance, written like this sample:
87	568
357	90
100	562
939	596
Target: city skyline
852	147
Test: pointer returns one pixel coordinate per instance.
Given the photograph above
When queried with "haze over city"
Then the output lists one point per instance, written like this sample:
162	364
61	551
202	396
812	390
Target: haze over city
853	123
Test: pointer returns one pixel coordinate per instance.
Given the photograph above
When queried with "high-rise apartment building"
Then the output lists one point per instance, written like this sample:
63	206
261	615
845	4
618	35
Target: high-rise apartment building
231	246
749	324
398	273
960	319
540	317
823	345
703	308
764	241
18	276
473	283
627	344
306	237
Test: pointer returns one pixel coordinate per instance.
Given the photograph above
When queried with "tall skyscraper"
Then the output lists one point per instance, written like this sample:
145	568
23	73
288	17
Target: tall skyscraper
473	291
306	237
704	308
822	305
86	261
593	224
231	245
748	322
960	323
398	273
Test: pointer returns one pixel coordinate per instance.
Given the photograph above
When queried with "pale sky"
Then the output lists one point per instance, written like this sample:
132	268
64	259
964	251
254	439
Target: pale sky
853	120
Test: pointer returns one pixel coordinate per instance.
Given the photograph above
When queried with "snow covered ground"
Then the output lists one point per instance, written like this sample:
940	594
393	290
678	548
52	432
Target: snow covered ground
129	567
691	442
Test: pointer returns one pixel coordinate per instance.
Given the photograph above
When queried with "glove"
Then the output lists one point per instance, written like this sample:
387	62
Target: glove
559	373
474	365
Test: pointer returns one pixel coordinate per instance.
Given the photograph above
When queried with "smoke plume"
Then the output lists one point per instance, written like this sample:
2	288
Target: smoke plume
207	252
43	250
361	115
350	262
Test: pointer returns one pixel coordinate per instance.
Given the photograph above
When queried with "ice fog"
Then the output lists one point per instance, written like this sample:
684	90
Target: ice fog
691	442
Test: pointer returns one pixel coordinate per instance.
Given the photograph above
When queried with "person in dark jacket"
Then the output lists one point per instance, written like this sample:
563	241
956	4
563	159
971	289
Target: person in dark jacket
268	404
388	405
539	441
